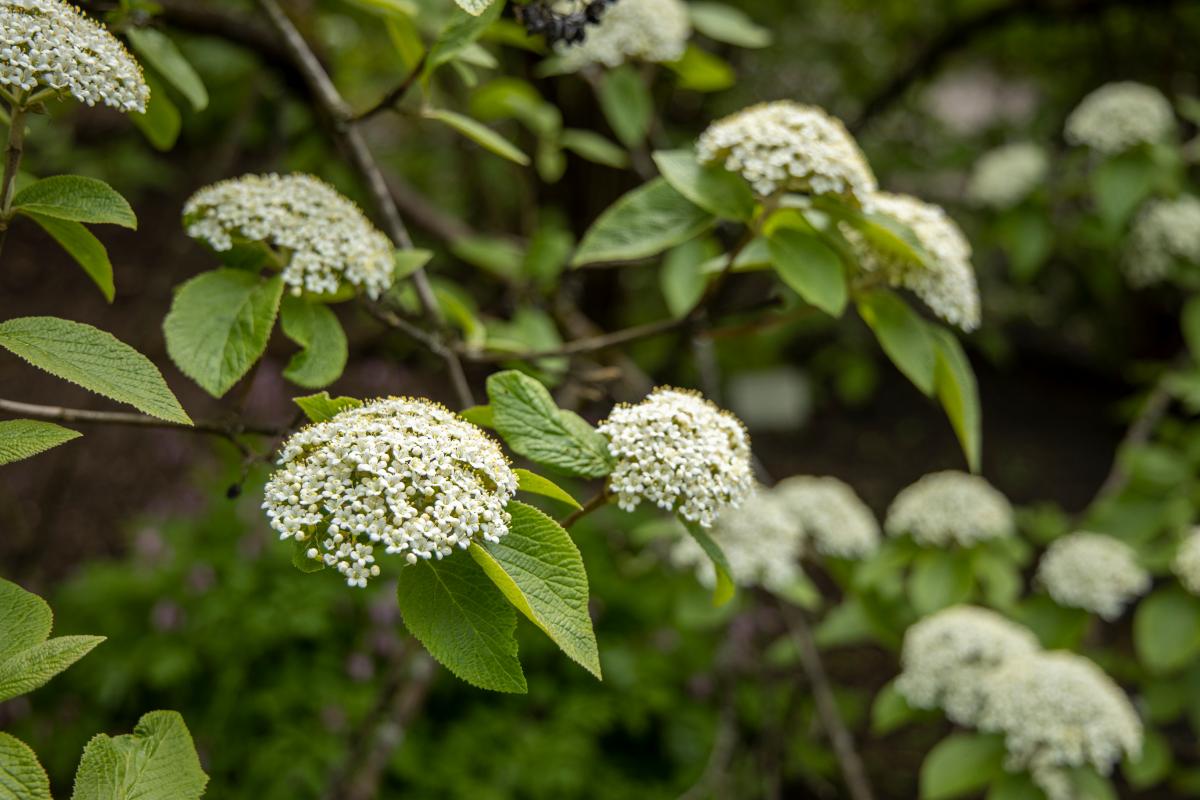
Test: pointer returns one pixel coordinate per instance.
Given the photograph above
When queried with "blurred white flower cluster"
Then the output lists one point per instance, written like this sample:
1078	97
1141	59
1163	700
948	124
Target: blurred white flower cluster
403	473
1094	572
947	657
52	45
680	452
1005	176
1119	116
789	147
760	540
1165	233
1187	562
946	281
1058	711
632	30
322	237
950	508
829	515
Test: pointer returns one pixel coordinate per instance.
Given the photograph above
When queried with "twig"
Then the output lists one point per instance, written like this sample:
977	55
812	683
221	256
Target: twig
1138	433
395	95
599	501
851	765
84	416
347	132
588	344
12	162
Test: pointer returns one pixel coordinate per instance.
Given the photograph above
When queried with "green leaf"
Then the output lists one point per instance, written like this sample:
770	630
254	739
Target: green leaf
320	406
1166	630
82	246
939	578
626	104
219	324
713	188
727	24
158	761
23	438
409	261
701	71
535	484
960	765
21	774
643	222
31	668
682	278
460	32
594	147
25	619
890	710
479	133
540	571
1015	786
1057	627
161	122
1121	183
479	415
725	588
1087	784
95	360
1027	235
903	336
536	428
464	621
1154	764
157	50
956	388
810	267
300	559
74	197
316	329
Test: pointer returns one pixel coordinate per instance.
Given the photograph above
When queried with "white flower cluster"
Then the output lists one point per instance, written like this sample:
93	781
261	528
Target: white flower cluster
1058	711
1007	175
49	44
947	283
1187	562
830	515
680	452
1119	116
632	30
402	472
322	236
947	658
760	539
947	508
1094	572
1166	233
790	147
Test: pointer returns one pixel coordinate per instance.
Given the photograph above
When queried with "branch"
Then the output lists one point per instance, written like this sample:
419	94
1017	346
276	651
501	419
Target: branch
839	736
335	108
79	415
963	32
588	344
1139	432
597	502
395	95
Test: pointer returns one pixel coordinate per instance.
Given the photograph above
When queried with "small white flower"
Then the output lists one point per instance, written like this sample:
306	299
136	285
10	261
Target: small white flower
1058	711
1119	116
402	473
474	7
831	516
947	659
1165	234
49	44
1004	177
680	452
1187	562
947	508
947	283
632	30
1094	572
789	147
323	237
760	539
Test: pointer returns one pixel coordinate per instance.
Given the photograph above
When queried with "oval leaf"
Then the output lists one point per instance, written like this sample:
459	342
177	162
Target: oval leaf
315	328
479	133
725	588
23	438
320	407
626	104
21	774
643	222
713	188
25	619
1166	630
961	765
810	267
95	360
30	669
158	760
157	49
535	484
77	198
903	336
219	324
955	384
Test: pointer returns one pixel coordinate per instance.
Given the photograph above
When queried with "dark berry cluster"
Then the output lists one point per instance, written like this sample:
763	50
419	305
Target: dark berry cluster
540	18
